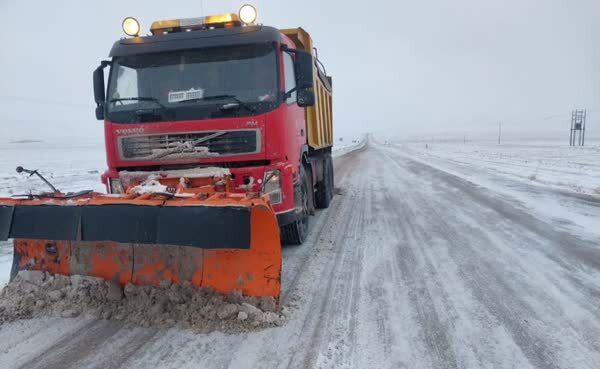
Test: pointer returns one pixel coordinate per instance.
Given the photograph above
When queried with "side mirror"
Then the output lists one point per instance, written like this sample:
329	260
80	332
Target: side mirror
100	112
304	70
305	97
99	88
99	85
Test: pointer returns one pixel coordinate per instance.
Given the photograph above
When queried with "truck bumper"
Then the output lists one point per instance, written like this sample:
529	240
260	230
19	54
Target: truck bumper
249	179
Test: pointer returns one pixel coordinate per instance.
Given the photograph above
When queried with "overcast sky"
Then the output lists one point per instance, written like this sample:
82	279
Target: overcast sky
409	67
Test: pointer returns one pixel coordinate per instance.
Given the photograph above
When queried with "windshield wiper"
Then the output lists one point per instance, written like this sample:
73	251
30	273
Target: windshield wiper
163	108
219	97
153	99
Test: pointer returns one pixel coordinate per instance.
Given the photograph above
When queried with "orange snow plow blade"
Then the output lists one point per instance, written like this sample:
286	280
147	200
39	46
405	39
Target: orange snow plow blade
224	241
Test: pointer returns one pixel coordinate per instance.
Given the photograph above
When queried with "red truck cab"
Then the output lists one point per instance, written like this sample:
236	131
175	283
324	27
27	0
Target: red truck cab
218	98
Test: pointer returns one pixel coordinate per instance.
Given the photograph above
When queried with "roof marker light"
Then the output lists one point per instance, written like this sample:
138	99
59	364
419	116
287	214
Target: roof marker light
131	27
248	14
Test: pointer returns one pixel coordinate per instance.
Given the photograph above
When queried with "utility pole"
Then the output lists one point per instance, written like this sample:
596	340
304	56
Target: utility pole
499	132
578	118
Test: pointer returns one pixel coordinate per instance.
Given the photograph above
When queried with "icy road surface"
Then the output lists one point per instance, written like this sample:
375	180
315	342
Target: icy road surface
411	267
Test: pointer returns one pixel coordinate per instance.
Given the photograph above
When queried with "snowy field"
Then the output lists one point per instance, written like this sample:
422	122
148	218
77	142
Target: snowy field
69	165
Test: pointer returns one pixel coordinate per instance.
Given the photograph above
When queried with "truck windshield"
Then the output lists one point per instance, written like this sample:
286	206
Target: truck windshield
193	84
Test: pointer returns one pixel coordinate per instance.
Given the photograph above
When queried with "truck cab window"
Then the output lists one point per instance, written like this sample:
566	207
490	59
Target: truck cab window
126	86
290	77
194	84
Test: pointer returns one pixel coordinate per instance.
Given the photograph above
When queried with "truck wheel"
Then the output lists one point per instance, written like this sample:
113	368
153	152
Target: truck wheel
325	187
295	233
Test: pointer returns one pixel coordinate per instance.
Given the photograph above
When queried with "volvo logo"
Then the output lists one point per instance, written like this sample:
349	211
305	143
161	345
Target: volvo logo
129	131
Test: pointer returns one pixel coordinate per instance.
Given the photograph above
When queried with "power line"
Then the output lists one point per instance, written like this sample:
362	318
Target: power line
544	117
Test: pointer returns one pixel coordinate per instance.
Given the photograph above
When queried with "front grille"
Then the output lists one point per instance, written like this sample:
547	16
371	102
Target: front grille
190	145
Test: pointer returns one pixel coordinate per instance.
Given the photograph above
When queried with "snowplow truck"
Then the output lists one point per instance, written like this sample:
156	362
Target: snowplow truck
218	137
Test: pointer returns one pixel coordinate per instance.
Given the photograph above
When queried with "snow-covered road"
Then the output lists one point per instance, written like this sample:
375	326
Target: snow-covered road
411	267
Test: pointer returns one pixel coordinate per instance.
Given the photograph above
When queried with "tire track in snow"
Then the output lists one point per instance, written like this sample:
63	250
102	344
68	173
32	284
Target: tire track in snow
578	257
415	277
586	252
417	209
336	337
313	327
484	283
380	316
75	346
491	285
342	168
124	348
29	338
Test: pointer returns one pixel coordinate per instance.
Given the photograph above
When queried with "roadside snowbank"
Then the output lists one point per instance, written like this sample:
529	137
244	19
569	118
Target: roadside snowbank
340	149
550	164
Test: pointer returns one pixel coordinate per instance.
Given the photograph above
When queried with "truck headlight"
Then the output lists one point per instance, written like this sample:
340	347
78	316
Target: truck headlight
247	14
272	186
131	26
115	186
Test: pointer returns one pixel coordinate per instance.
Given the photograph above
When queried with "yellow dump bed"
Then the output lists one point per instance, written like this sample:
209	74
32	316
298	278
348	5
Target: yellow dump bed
319	118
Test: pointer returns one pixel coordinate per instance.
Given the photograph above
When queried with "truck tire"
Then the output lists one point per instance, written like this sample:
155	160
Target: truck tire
325	187
296	232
